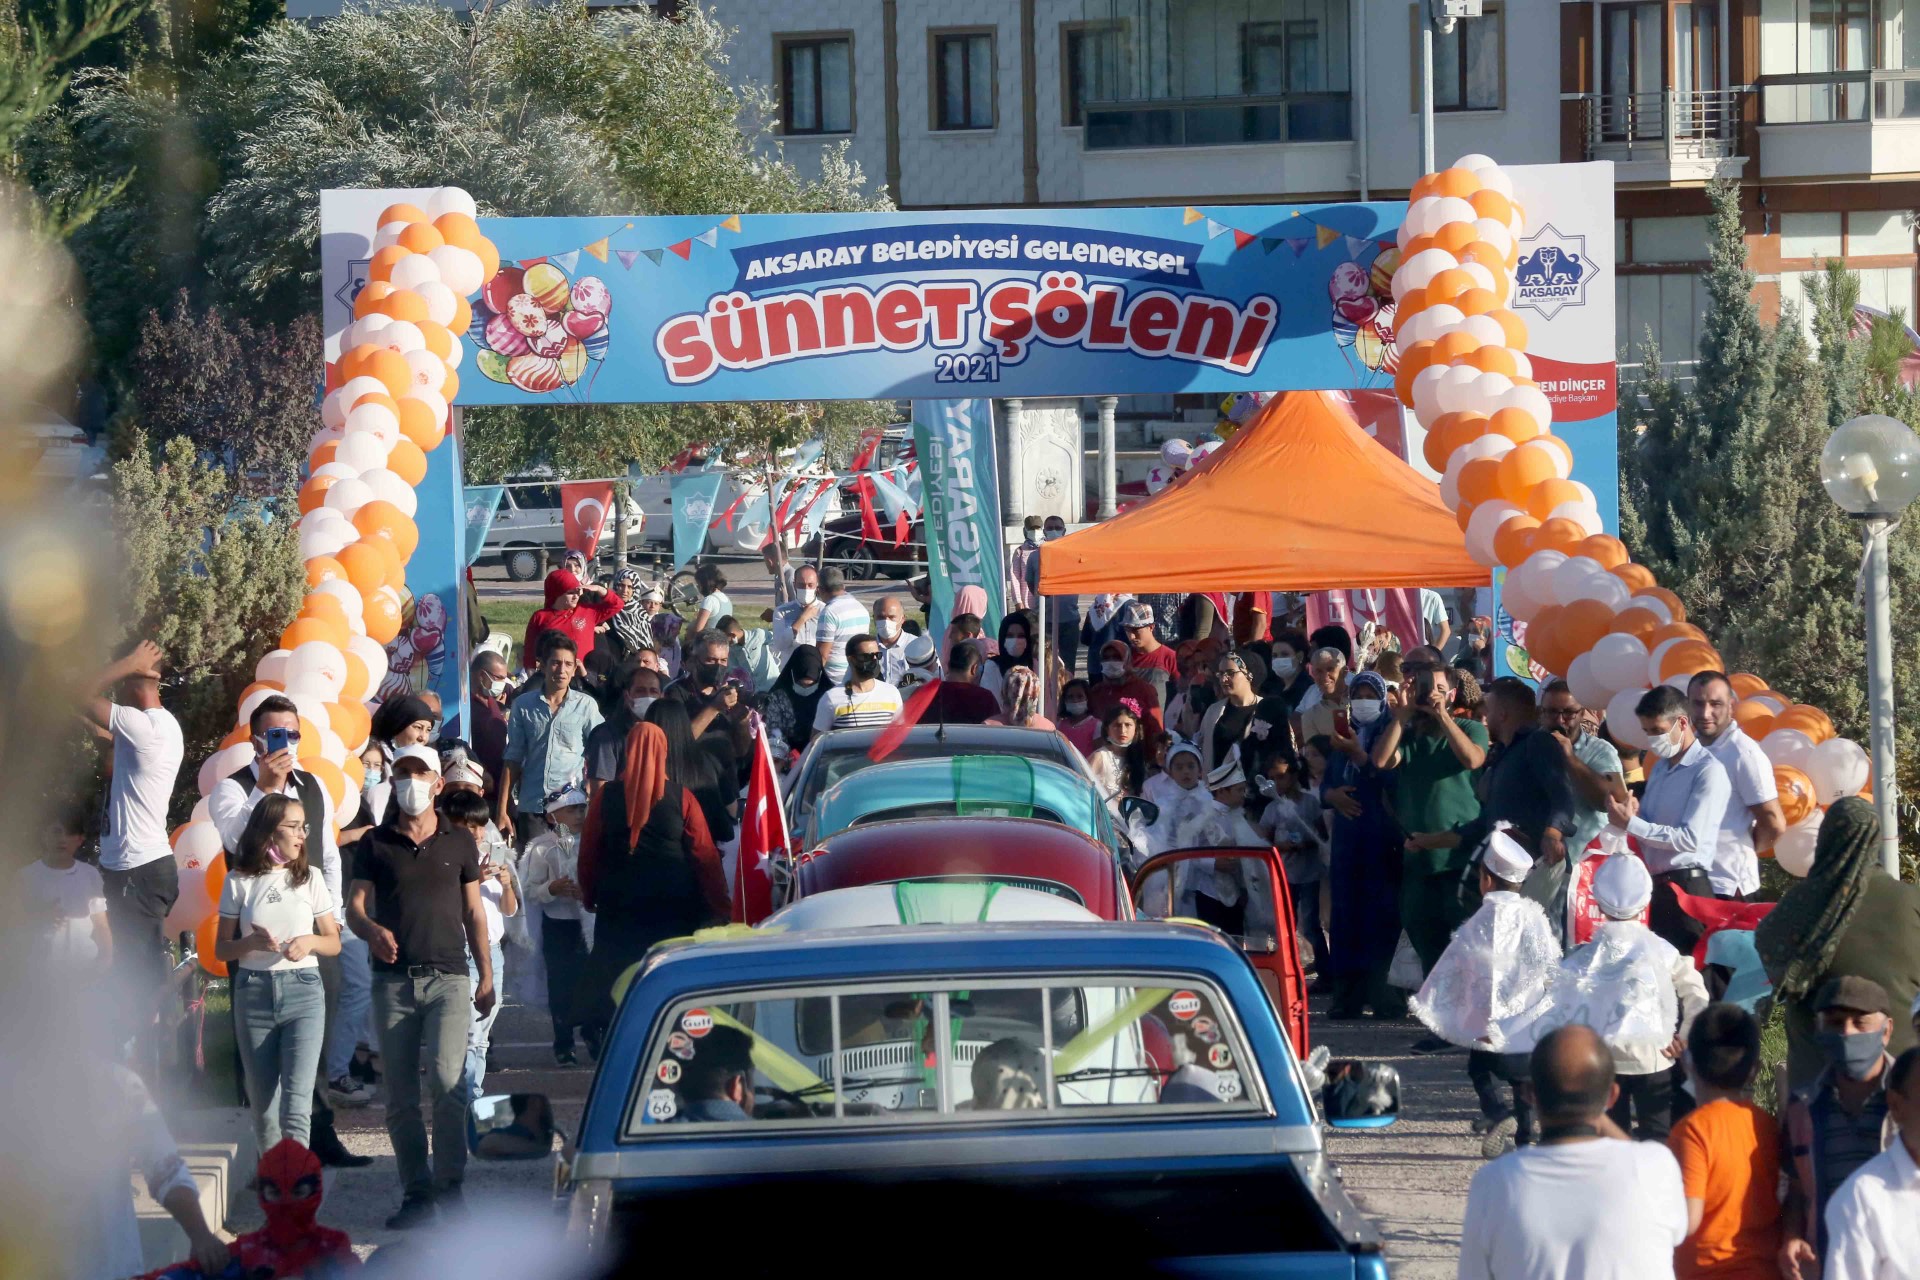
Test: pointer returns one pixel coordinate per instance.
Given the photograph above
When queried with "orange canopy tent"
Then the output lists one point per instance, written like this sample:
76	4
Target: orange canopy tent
1300	499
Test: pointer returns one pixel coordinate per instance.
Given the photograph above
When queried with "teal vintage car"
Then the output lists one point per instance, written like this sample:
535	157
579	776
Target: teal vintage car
962	786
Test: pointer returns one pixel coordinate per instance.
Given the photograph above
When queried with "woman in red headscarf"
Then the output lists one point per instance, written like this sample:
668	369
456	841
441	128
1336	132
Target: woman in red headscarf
574	608
648	867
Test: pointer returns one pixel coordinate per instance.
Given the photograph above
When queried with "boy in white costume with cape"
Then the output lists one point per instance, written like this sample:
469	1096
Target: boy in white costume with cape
1637	991
1489	987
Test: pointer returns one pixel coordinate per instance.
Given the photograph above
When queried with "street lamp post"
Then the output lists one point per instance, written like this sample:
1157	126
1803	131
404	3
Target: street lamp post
1871	468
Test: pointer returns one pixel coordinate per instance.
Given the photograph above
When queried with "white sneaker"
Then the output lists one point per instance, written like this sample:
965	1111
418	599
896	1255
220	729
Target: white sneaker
348	1092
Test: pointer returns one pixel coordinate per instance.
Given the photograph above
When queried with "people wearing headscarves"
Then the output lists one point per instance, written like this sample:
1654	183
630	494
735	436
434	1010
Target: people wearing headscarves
1014	648
792	703
1491	985
1363	876
1847	917
1229	719
1020	700
1077	721
574	609
648	868
630	630
1631	985
1117	685
1102	622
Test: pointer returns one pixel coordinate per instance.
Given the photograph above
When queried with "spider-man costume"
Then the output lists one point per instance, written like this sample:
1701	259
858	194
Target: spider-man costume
292	1244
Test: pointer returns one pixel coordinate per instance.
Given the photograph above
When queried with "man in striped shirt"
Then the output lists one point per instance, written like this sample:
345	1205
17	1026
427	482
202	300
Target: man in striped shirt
865	701
842	617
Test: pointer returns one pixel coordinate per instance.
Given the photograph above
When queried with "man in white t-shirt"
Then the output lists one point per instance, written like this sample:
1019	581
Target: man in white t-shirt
841	617
1583	1203
1435	626
63	904
136	859
865	701
1753	819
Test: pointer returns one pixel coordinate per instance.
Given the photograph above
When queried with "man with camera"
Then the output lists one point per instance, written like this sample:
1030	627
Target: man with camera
1528	784
1434	756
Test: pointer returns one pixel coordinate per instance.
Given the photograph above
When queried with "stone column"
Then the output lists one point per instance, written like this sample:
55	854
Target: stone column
1109	463
1013	432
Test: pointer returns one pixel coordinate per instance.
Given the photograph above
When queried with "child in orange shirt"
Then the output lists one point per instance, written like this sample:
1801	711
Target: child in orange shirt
1729	1154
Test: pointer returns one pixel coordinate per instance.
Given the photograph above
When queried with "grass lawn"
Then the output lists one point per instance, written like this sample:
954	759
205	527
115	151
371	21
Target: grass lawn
509	617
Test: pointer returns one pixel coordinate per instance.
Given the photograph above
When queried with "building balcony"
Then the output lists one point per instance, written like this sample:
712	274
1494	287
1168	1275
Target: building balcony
1666	136
1200	148
1834	124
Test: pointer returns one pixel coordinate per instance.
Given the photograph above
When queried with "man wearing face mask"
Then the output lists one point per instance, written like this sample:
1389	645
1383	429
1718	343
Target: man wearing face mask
795	620
1677	821
1152	661
1063	612
640	688
865	701
1023	567
488	680
1838	1123
889	628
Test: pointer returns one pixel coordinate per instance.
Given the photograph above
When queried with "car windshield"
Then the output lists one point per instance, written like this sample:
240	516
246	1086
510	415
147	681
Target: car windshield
958	808
943	1051
835	765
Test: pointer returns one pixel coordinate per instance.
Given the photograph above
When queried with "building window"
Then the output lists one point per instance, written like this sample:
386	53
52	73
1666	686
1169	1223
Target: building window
1282	57
816	84
1469	63
1090	55
963	80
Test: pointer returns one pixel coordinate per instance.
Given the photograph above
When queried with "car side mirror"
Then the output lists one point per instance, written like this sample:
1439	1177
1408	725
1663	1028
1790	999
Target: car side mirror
511	1126
1360	1095
1134	807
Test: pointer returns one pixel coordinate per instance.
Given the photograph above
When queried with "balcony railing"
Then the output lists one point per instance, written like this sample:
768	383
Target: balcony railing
1215	122
1830	97
1668	124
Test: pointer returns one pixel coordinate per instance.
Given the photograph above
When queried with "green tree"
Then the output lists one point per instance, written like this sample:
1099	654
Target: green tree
37	57
211	580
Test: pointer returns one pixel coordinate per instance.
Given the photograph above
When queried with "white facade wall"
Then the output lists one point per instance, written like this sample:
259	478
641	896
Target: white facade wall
956	167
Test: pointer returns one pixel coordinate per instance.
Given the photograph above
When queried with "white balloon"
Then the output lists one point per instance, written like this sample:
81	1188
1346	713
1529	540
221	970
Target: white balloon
354	388
1484	329
1532	401
323	436
453	353
429	370
272	666
202	811
332	749
311	684
325	540
1622	722
1447	209
1416	216
413	270
333	411
459	269
1420	269
376	418
1494	178
1589	688
1571	576
442	302
1482	278
388	487
1455	391
1678	683
1476	162
1839	768
1794	848
1404	234
438	404
1483	524
1533	579
1619	660
1494	234
1425	407
334	471
1774	705
1788	747
363	451
388	234
403	336
348	496
317	657
1522	366
1654	605
228	761
313	709
249	703
1607	589
1480	447
1581	513
373	656
445	200
368	331
346	593
1659	654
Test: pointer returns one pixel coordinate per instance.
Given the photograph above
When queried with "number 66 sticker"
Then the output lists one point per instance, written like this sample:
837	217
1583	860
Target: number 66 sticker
662	1106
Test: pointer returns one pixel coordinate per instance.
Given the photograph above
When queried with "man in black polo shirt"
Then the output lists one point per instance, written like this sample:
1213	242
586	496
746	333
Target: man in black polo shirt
416	900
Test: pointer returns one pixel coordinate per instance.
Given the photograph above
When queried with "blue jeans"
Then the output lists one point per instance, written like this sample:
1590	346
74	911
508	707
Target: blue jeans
480	1032
281	1016
352	1023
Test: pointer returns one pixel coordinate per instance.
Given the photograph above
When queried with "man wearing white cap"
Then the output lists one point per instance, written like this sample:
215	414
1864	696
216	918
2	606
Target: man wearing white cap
1489	987
1639	992
1218	892
922	663
416	900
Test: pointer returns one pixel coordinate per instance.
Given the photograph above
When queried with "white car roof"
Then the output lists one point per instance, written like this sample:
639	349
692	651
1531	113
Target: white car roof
923	902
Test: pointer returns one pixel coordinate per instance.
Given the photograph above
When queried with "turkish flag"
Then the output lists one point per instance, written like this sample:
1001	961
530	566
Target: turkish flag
763	835
584	514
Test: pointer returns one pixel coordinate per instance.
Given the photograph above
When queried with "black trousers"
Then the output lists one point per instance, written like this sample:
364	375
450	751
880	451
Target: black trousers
564	947
1649	1104
1498	1077
137	906
1666	918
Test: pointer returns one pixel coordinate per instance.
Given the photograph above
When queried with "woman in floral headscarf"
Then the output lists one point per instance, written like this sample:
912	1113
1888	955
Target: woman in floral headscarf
1020	700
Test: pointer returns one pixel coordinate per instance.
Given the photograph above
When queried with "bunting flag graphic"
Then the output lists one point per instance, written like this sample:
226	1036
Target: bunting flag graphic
1216	229
684	249
709	237
654	255
598	248
601	248
531	262
568	260
1193	215
1324	236
627	256
1241	239
732	223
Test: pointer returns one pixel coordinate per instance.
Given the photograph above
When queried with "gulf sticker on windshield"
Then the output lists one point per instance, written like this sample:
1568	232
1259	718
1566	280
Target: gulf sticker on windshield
662	1105
669	1072
680	1046
1227	1085
1206	1030
1183	1005
696	1022
1218	1057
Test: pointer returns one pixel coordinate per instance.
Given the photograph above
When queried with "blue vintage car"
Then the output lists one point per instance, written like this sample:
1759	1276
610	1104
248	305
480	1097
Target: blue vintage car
961	786
951	1098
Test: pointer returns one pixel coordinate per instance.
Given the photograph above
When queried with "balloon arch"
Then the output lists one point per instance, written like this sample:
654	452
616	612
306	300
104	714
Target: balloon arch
1591	614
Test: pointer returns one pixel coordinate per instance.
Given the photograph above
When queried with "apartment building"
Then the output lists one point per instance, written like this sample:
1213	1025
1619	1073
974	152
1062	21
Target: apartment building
1814	105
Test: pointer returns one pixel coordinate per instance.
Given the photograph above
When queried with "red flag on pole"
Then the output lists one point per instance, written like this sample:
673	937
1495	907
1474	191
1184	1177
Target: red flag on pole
915	710
763	835
583	513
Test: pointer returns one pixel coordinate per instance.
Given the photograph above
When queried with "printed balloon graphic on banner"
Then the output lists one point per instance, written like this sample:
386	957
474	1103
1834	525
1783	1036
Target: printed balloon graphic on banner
538	329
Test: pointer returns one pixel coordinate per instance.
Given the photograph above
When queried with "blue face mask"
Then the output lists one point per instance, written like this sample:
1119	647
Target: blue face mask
1853	1054
375	776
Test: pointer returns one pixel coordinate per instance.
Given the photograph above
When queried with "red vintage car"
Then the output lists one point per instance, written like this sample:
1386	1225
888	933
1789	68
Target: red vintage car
1026	852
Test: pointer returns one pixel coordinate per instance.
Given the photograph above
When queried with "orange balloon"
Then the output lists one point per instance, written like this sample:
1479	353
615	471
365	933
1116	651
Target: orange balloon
305	628
1809	720
1480	481
439	341
354	687
1463	514
351	721
1493	359
1456	182
1489	203
451	387
1455	236
1607	549
372	294
1689	657
1548	494
402	212
1745	684
1513	540
1477	302
1411	304
489	267
314	492
407	462
1520	471
380	398
1637	577
417	423
323	453
262	686
420	238
1447	349
1798	799
327	609
1666	597
1544	642
1514	327
355	771
328	775
1417	245
403	304
1558	534
392	369
381	519
216	876
460	229
1516	425
382	617
1487	256
463	310
1636	622
240	733
309	748
205	934
1675	631
365	564
1754	718
380	266
1502	286
1552	442
1448	285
